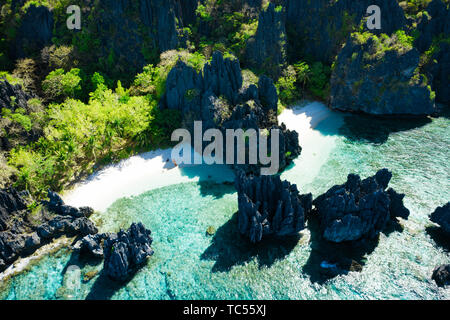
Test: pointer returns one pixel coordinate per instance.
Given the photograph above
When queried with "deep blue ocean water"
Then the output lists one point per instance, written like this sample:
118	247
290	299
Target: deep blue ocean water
189	264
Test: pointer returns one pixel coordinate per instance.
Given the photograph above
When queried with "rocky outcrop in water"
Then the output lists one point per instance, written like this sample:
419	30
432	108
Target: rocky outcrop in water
441	275
127	251
35	31
267	50
441	216
216	97
22	231
380	76
91	245
270	207
329	23
123	252
359	208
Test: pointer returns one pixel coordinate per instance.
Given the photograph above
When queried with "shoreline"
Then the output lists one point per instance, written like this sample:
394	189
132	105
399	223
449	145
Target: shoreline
22	264
153	170
138	174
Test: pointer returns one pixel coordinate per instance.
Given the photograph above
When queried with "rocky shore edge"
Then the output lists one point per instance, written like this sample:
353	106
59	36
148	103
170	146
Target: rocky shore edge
23	231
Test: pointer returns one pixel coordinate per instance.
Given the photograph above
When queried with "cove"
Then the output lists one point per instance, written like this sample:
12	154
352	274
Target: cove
179	204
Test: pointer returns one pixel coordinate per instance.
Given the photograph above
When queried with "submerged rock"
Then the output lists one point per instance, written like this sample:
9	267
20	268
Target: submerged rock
441	216
210	231
380	76
269	206
359	209
127	251
442	275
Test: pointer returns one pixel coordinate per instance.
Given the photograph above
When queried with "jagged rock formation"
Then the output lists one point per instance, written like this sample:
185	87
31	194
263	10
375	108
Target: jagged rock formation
269	206
91	245
380	76
187	89
123	252
122	36
35	31
126	251
56	204
267	50
435	23
250	8
22	233
440	71
434	35
441	216
161	15
8	91
329	23
10	201
359	209
217	97
441	275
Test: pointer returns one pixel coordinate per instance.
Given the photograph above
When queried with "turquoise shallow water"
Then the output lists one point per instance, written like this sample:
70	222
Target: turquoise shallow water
189	264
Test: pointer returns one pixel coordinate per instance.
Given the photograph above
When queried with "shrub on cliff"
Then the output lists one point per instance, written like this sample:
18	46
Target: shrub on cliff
381	75
59	85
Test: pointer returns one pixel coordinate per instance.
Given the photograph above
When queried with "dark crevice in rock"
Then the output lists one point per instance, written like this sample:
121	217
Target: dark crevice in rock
359	208
370	80
269	206
267	50
216	97
124	252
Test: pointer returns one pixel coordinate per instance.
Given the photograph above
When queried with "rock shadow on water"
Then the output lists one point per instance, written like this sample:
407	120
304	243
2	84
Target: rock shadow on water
321	118
81	262
216	190
104	288
439	236
229	248
329	260
208	185
376	130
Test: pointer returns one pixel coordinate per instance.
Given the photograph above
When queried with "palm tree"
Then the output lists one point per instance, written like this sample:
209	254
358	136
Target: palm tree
303	74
